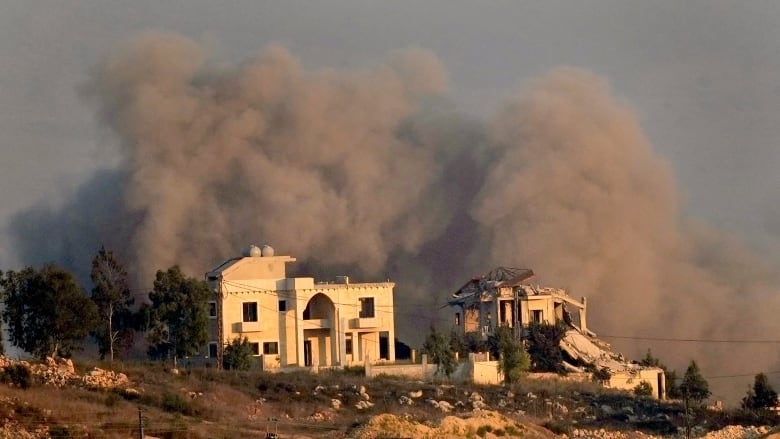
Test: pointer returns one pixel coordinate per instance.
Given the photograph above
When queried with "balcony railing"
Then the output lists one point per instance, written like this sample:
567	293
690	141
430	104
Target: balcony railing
365	323
316	324
249	327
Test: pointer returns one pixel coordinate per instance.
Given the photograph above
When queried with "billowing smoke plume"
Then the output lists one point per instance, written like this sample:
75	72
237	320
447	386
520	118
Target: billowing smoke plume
577	192
373	172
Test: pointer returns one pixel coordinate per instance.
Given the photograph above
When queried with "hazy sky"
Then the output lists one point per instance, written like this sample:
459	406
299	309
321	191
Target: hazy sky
702	75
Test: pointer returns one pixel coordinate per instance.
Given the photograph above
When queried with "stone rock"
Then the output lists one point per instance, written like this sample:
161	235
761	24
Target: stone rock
362	405
335	403
445	406
405	400
478	404
416	394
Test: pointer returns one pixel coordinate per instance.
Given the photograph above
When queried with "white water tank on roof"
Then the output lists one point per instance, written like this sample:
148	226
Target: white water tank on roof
267	251
252	251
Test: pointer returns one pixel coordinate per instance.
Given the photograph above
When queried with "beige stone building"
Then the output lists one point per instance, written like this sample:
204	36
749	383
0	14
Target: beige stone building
295	321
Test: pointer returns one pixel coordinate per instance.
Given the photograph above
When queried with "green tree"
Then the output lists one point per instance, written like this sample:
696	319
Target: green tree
694	386
762	396
47	313
670	381
2	296
239	355
113	300
643	389
544	346
514	361
670	376
178	316
440	352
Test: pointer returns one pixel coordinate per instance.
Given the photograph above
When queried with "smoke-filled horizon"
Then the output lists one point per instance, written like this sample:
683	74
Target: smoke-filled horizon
373	172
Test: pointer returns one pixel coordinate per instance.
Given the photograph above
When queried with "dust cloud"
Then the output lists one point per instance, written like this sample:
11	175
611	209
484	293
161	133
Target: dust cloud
374	173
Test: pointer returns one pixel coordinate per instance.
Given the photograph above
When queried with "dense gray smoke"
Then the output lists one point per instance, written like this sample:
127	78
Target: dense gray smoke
577	192
373	172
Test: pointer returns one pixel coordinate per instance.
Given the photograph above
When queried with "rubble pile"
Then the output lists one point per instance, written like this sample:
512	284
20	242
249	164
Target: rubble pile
737	432
484	424
13	430
57	373
99	378
61	372
728	432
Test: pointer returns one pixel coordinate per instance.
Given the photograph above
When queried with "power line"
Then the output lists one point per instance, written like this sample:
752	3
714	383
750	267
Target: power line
690	340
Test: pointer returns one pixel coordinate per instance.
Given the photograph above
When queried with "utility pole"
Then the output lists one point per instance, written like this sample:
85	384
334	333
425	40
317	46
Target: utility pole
219	290
687	415
140	423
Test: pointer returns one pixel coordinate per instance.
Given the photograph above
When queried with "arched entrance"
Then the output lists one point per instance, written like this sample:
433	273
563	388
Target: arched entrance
319	332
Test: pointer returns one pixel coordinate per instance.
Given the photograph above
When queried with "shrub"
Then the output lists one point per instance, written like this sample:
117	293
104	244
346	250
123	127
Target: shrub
238	355
59	431
483	430
602	375
175	403
556	427
643	389
355	370
18	375
112	399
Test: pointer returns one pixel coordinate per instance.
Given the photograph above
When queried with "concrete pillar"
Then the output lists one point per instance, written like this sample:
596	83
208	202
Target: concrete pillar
391	344
342	341
584	315
299	358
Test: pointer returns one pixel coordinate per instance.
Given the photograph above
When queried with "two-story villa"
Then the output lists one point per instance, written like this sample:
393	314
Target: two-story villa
295	321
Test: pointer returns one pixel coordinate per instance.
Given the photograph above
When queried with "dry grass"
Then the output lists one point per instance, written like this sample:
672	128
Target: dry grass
205	403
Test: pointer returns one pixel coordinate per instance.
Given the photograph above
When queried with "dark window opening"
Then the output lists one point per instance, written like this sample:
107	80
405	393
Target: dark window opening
213	349
282	305
457	319
250	311
348	345
366	307
384	345
271	348
537	315
255	348
213	310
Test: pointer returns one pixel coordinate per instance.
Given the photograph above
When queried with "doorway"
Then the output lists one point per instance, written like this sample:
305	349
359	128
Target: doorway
307	352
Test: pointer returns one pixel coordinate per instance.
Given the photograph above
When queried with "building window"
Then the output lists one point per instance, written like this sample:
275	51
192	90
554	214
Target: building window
213	349
457	319
366	307
271	348
250	311
282	305
255	348
537	315
212	310
348	345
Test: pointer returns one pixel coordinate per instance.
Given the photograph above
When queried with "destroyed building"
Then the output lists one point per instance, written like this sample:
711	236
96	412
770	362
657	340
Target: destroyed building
505	297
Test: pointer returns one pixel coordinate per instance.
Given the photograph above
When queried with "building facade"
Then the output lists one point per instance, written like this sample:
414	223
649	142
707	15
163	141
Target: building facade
503	298
295	321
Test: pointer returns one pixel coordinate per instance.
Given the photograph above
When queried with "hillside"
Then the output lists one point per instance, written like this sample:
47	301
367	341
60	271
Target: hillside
94	401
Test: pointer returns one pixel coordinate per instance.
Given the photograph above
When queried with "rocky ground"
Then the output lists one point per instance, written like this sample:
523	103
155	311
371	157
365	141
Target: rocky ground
206	403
